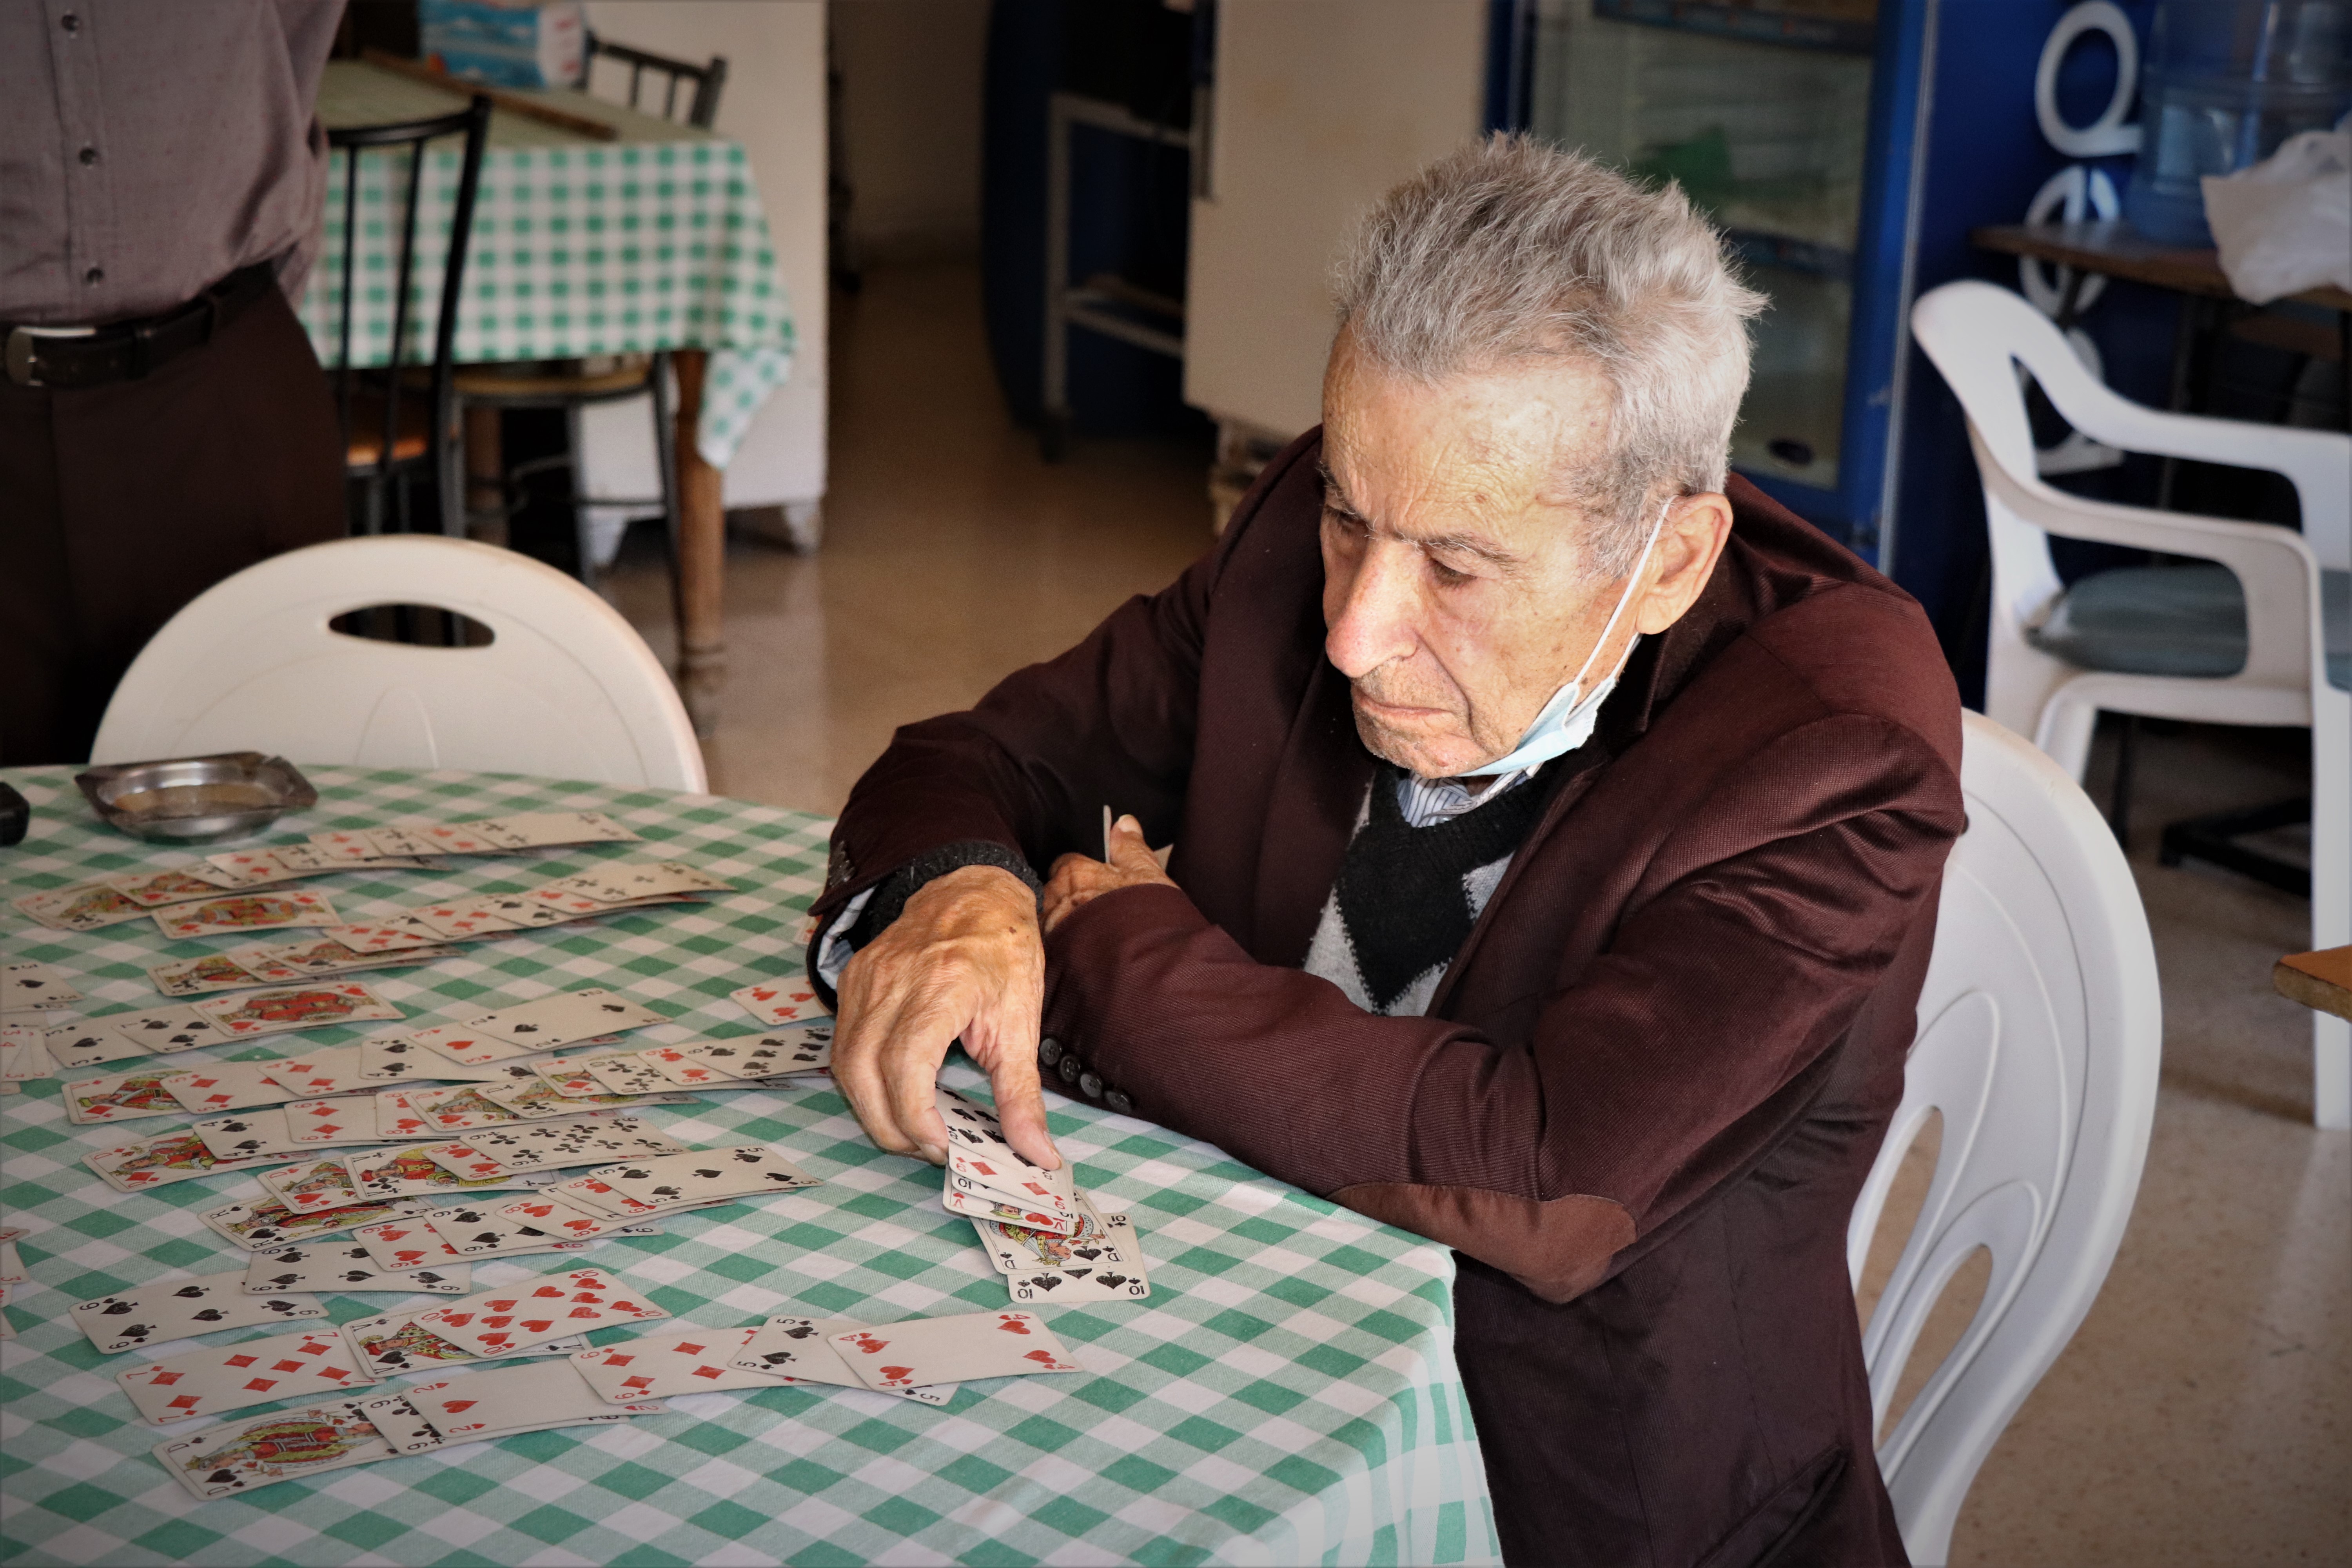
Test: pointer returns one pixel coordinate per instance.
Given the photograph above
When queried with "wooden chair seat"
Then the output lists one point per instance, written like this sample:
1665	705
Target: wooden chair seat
365	448
564	378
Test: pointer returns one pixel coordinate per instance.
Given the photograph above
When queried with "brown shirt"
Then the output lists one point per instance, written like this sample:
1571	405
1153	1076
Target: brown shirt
1653	1077
149	148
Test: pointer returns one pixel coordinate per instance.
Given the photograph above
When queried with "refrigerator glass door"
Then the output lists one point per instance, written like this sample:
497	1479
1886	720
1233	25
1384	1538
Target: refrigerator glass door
1760	110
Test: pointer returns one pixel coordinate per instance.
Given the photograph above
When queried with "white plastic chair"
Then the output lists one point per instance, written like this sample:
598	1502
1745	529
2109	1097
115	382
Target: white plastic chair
566	689
2041	1033
2297	586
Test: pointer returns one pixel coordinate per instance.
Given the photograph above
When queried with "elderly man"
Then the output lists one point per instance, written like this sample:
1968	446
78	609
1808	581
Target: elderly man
1557	831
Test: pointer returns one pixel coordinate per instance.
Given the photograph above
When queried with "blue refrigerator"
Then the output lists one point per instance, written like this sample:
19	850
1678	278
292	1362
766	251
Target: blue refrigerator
1848	147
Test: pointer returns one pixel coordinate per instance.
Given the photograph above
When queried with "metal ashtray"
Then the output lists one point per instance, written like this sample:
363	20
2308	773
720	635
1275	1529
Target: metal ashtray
197	800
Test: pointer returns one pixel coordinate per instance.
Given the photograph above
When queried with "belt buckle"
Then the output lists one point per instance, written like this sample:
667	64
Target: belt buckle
20	349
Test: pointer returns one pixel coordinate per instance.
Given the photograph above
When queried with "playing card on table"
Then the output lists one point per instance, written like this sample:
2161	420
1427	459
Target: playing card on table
570	1078
339	1119
344	845
499	1402
404	1243
231	1377
622	884
270	1223
74	1045
312	1184
535	1311
783	1001
396	1118
224	1086
469	1047
656	1366
253	1135
559	1145
393	934
801	1350
166	1309
698	1176
256	867
410	1173
551	1217
922	1351
805	1049
1083	1281
1014	1249
325	954
119	1097
33	987
281	1447
246	911
346	1265
623	1072
200	976
23	1058
401	838
564	1019
462	919
295	1007
672	1064
86	906
542	829
176	1156
179	885
533	1100
459	1108
260	963
392	1344
1004	1211
164	1030
391	1057
327	1069
462	1162
478	1232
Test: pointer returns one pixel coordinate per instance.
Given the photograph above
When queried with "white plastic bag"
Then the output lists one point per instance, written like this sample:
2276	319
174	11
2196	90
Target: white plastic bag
2285	224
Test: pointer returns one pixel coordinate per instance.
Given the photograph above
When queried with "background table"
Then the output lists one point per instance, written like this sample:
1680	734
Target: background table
581	247
1289	1395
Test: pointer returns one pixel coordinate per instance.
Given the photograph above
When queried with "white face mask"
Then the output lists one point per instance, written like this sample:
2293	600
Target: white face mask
1566	722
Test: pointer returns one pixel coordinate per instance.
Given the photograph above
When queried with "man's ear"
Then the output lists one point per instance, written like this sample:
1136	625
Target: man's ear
1697	528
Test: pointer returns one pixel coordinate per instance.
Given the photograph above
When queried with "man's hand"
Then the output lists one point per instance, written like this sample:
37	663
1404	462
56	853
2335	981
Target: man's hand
1079	881
963	959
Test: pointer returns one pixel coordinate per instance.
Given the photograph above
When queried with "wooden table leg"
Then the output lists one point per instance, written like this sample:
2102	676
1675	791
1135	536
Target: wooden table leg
702	555
486	494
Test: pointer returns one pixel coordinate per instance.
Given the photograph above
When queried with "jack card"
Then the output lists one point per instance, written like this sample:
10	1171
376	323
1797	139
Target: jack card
283	1447
295	1007
239	912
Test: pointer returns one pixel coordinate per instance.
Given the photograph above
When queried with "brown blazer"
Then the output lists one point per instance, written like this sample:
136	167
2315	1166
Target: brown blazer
1655	1077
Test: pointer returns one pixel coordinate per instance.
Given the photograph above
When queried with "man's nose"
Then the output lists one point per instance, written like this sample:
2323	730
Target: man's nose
1377	608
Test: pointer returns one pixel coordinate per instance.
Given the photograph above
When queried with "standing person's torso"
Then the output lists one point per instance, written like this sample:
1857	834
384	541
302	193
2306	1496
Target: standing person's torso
148	148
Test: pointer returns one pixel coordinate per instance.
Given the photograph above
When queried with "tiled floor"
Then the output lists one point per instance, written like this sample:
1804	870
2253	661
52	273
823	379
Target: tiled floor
2204	1413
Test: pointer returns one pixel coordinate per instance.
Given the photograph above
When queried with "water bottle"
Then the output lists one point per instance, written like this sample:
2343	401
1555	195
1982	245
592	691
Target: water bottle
2224	83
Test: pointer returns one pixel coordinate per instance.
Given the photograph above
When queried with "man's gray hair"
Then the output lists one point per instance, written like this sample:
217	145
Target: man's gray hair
1509	249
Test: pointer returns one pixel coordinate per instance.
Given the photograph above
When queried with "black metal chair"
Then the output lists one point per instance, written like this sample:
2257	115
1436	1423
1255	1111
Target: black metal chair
572	385
395	422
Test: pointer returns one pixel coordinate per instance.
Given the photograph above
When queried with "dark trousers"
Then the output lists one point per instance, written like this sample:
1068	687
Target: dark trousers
121	503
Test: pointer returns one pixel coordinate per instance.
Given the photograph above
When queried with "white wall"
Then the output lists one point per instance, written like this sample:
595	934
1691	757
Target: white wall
774	105
911	75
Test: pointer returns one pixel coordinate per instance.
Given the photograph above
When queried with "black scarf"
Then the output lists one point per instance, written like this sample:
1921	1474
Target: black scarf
1400	888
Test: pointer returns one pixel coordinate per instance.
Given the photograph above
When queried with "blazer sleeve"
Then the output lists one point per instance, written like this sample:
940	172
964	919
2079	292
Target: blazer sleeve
1670	1063
1030	767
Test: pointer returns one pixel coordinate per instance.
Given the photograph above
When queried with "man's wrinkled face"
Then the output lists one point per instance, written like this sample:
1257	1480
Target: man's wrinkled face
1454	598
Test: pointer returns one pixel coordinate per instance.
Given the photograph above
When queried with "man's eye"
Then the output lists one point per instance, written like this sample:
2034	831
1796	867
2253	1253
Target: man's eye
1447	576
1340	522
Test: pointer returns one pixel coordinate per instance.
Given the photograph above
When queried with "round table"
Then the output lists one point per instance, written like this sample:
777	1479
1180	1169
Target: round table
1287	1394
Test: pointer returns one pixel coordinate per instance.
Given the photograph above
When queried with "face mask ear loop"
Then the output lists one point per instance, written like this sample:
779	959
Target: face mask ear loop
1632	580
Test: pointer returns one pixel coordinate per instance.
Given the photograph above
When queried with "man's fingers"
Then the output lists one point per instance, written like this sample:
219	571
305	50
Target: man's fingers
910	1078
857	1069
1020	1107
1128	852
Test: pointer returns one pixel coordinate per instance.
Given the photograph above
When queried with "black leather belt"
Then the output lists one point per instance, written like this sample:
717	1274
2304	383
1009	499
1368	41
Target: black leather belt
66	357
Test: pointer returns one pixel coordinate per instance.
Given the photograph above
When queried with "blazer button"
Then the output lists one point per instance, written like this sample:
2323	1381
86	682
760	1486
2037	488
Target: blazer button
1117	1100
1049	1050
1091	1085
1069	1067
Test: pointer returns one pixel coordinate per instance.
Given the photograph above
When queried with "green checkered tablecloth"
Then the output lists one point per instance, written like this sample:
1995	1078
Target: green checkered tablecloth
579	247
1289	1395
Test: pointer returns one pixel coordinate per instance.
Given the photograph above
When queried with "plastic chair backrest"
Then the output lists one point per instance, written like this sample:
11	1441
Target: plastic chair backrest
2041	1034
566	688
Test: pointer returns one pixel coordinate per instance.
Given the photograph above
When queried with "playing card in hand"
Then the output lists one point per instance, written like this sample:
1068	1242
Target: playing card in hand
1085	1279
166	1310
1016	1248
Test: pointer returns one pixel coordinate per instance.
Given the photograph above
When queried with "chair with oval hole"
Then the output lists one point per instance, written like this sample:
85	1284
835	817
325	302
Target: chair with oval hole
2255	628
564	688
2041	1033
